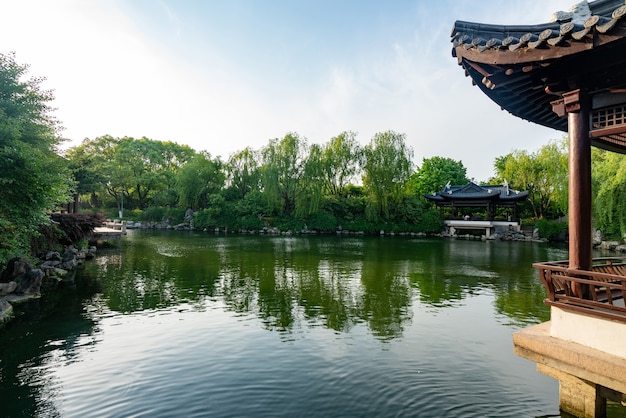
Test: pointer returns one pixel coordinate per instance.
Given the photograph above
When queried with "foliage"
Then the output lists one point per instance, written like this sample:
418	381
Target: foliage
340	162
34	178
310	187
435	173
147	167
287	184
211	217
243	172
542	173
199	178
281	171
550	230
322	220
432	222
173	216
414	214
387	167
90	165
136	173
609	175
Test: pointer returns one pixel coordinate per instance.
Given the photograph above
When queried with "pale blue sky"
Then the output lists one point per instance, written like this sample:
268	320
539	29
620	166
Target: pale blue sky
223	75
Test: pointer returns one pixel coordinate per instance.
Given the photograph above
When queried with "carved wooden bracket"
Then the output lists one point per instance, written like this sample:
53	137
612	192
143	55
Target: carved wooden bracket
569	103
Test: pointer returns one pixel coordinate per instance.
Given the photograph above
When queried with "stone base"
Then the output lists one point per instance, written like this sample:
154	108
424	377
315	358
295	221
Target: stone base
577	396
587	376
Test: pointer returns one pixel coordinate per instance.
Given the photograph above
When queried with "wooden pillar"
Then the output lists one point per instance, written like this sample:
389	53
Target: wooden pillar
576	105
578	108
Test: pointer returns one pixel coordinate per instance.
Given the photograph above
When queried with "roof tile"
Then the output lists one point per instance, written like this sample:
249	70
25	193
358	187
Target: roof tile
605	14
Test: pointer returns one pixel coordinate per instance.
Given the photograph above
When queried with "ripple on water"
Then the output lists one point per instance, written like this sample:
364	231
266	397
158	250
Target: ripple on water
393	351
213	363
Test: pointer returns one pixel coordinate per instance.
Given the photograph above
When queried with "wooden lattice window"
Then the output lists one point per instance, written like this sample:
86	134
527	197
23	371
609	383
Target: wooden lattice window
608	117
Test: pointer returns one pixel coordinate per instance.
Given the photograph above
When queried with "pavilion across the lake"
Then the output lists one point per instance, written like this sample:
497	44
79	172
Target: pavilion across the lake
570	75
486	198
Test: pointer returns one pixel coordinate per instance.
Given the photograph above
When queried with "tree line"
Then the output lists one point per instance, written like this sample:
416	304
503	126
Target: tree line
287	183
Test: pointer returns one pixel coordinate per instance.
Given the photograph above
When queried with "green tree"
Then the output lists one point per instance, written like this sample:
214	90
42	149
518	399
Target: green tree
147	168
201	177
33	177
609	180
96	159
387	166
243	172
435	173
84	164
281	171
310	188
542	173
138	171
341	158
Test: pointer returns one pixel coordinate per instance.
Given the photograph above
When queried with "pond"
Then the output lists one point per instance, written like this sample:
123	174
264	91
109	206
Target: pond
194	324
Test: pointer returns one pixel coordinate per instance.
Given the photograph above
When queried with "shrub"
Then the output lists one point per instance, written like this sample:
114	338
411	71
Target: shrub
550	230
153	214
432	222
322	221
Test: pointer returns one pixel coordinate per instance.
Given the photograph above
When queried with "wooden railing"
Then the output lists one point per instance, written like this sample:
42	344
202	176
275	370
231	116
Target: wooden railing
600	291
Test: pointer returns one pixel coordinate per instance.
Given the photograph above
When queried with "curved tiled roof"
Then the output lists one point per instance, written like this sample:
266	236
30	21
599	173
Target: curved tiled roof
524	68
497	193
605	15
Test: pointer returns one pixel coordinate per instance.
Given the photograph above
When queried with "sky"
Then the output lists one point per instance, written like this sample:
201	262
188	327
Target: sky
223	75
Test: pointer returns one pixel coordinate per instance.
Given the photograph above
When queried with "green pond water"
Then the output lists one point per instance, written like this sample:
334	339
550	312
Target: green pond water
182	324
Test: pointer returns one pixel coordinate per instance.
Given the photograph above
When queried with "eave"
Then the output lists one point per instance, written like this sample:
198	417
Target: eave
526	69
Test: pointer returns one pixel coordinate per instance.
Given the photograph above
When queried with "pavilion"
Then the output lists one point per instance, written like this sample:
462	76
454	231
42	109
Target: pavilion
570	75
488	198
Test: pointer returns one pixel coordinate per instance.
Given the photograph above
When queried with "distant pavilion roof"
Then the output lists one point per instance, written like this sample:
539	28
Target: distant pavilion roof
473	194
529	70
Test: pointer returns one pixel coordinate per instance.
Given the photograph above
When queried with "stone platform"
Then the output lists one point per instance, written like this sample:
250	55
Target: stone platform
587	377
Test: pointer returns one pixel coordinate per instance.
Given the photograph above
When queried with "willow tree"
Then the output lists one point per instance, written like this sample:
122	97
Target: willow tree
281	171
387	166
243	172
199	178
609	178
311	187
33	177
340	161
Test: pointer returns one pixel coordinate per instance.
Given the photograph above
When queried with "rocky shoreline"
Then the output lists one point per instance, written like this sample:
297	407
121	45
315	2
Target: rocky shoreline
187	226
21	282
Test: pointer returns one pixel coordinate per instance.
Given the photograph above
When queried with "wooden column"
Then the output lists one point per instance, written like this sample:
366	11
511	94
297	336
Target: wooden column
577	106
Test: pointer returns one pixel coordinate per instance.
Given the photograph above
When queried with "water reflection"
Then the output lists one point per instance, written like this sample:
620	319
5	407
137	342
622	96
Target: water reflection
48	332
334	282
181	317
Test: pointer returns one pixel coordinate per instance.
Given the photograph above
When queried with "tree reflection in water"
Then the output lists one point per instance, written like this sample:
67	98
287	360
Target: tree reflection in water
335	282
291	284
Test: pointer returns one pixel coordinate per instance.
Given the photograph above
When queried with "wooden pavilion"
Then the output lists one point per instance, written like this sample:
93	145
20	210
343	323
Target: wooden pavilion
570	75
485	198
471	195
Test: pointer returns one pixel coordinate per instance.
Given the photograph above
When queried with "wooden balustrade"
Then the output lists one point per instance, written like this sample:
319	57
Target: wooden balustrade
600	291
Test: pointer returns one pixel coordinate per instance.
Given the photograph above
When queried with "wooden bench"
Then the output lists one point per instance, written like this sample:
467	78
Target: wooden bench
607	294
